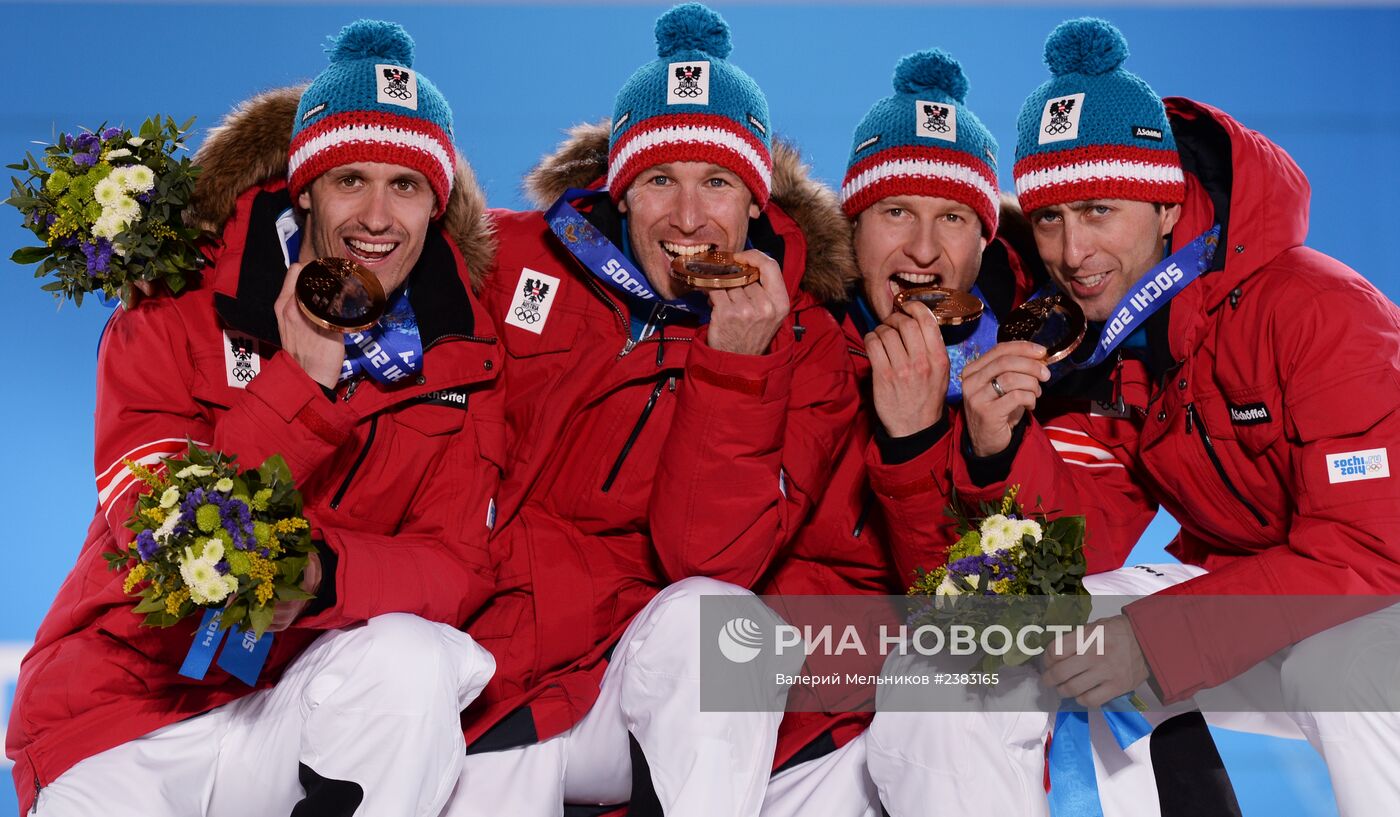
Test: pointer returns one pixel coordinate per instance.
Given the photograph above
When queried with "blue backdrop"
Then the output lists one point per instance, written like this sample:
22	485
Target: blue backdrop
1319	82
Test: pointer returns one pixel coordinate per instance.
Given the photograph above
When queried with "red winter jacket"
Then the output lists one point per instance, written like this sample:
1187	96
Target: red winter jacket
396	481
875	524
634	465
1285	361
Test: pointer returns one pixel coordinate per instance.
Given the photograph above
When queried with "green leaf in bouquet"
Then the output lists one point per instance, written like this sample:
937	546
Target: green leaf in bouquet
274	470
162	619
285	593
150	604
260	618
291	568
233	614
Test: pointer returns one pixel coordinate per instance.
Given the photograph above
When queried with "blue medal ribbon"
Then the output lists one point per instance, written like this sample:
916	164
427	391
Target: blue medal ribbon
206	641
244	654
1158	285
1074	787
242	657
603	258
391	350
971	347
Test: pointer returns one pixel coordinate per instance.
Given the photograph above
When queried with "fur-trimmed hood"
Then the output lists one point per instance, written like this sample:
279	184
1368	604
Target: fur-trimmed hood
250	145
831	271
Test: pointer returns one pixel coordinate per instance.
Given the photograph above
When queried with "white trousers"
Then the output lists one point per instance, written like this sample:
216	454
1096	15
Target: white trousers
834	785
375	705
701	763
992	762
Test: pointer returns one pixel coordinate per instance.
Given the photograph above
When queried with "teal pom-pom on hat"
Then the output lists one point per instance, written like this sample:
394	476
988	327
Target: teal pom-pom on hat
372	39
931	72
369	105
923	141
692	27
1085	46
691	105
1094	129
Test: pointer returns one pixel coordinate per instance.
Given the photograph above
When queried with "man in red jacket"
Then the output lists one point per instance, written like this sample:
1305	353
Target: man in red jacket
922	197
666	442
1257	403
355	709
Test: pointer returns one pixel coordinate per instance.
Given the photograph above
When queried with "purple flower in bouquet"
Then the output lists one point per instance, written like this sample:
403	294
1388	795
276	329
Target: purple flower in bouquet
146	545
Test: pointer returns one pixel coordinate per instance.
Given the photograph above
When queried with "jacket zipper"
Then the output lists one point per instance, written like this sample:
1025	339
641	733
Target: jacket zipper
468	338
864	512
38	787
1192	418
364	452
636	432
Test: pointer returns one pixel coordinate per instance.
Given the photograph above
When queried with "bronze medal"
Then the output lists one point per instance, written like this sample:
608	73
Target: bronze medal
949	307
338	294
713	270
1055	322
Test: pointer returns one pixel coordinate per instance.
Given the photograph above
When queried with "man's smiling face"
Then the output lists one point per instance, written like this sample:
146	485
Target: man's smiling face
373	214
684	208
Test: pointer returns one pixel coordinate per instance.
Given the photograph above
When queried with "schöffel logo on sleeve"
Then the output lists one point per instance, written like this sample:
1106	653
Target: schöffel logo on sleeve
1144	132
1352	466
1250	414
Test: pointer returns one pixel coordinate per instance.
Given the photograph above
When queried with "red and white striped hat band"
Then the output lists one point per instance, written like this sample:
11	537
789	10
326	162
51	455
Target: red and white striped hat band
365	136
1099	172
923	171
690	138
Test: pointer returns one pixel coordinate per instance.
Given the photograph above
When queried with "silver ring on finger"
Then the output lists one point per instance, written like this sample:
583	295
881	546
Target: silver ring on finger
996	387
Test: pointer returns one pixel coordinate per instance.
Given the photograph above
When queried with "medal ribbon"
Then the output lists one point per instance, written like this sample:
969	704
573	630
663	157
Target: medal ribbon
243	655
982	339
391	350
602	258
1074	787
1157	286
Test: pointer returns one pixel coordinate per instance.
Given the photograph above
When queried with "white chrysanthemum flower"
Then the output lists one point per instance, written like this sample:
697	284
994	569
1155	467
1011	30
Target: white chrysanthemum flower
211	591
170	497
224	485
213	551
167	527
108	192
139	179
194	471
998	533
119	153
126	208
108	225
136	141
1028	527
974	580
196	572
947	588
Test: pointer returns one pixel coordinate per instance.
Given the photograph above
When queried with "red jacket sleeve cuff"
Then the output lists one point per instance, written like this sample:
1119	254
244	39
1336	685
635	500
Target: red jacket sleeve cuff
767	376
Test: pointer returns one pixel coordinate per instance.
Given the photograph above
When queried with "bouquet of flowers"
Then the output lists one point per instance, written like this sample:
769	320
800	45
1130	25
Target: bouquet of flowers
1004	552
209	535
108	206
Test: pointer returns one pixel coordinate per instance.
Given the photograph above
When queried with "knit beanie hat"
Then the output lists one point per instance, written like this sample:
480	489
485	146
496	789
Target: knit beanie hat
691	105
370	105
922	141
1094	131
